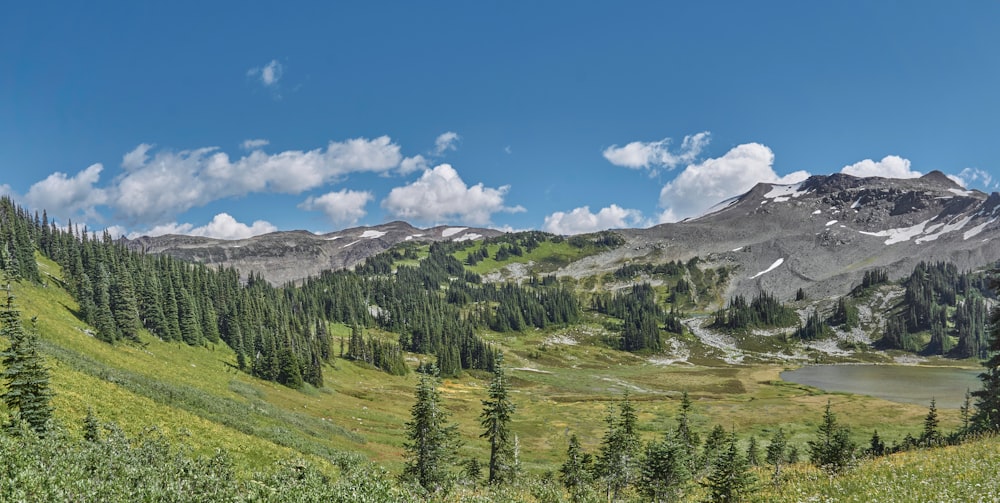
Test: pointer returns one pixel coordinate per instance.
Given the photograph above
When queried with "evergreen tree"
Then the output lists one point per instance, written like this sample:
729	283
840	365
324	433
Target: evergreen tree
931	436
431	441
618	460
714	444
876	446
832	450
575	471
685	433
91	427
753	452
28	395
777	453
664	470
987	416
730	479
495	420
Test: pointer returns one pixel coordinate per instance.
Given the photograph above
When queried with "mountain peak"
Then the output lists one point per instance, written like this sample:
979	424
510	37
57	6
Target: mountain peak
938	178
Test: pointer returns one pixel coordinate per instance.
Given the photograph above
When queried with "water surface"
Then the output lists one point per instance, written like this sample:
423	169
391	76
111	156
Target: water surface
898	383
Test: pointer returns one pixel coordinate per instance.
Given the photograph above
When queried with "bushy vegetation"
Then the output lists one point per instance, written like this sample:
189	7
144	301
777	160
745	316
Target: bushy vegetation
763	311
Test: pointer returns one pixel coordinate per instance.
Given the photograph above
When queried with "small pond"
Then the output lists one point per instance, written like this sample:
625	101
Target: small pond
898	383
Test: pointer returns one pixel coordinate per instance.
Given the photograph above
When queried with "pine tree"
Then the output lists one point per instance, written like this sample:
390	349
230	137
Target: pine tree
685	433
730	479
753	452
431	442
931	436
987	416
575	471
495	420
664	470
28	394
876	446
777	452
713	446
832	450
91	427
619	455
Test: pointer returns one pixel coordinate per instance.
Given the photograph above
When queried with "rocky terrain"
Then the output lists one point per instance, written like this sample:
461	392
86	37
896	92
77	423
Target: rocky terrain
282	257
820	235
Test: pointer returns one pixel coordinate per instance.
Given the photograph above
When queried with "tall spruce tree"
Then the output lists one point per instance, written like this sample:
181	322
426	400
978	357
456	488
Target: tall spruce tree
28	395
664	469
431	441
832	450
776	453
987	416
495	420
618	460
575	471
730	479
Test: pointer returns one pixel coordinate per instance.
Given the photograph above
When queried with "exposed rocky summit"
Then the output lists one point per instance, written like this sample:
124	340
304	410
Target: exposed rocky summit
281	257
823	233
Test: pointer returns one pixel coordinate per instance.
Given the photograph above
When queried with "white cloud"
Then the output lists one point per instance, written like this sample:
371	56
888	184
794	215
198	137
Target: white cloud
440	195
969	176
411	164
702	185
152	189
7	190
445	142
342	207
66	197
656	154
891	166
222	226
581	220
269	74
137	157
254	144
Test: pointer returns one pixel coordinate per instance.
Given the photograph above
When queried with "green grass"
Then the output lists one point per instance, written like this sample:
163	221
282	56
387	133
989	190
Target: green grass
196	397
547	257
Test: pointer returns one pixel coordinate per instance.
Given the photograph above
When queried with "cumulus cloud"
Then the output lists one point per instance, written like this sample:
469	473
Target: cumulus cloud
440	195
254	144
581	220
342	207
445	142
222	226
656	154
154	188
968	176
66	196
891	166
268	74
411	164
7	190
704	184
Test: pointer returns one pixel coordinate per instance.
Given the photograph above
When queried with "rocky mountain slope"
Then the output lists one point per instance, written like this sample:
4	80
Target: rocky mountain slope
822	234
281	257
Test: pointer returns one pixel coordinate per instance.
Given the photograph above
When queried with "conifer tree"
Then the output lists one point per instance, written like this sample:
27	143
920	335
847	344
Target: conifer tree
664	469
753	452
832	450
931	436
28	394
685	432
876	447
777	452
987	416
495	420
91	427
575	471
730	479
619	455
431	441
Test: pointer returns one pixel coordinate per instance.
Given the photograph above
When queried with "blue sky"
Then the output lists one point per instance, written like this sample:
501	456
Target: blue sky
231	119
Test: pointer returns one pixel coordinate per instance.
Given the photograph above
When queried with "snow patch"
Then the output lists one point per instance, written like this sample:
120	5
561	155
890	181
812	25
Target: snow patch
351	243
737	249
468	237
857	204
817	212
831	222
451	231
333	238
408	238
960	192
899	235
784	191
977	229
769	269
950	227
529	369
372	234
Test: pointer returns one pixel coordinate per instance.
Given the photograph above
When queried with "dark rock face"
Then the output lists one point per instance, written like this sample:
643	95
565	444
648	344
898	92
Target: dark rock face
282	257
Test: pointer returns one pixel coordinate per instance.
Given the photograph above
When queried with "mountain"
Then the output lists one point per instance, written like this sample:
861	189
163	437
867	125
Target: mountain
281	257
822	234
